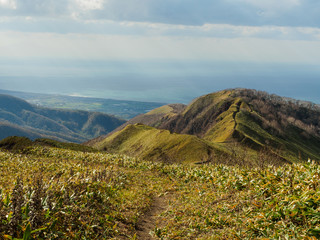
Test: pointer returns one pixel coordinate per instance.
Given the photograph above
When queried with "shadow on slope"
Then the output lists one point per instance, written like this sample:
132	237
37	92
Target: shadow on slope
18	144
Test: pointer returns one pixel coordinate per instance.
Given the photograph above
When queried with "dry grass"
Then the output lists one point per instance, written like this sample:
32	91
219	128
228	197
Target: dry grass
49	193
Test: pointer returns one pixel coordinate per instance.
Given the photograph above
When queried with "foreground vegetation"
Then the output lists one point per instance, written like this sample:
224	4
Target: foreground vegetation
52	193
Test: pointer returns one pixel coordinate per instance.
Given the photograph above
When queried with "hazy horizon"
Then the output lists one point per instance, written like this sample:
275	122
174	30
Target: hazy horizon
164	51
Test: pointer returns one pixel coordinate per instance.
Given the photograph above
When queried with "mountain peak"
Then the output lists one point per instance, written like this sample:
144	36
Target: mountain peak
255	119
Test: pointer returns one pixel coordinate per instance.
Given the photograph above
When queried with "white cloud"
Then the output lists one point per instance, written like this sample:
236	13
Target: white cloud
116	47
11	4
109	27
274	4
184	12
90	4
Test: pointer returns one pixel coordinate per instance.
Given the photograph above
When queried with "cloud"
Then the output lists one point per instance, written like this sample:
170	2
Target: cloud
38	8
9	4
90	4
274	4
139	43
108	27
185	12
94	46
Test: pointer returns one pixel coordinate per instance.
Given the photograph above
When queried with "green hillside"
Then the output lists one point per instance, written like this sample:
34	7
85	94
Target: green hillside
158	145
19	118
8	129
155	117
19	144
56	193
285	127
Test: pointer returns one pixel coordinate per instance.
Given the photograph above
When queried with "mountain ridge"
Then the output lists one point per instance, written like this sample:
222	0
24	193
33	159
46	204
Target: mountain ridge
256	120
18	117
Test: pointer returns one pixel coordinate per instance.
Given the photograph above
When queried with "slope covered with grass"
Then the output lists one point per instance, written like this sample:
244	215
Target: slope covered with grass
51	193
18	144
285	127
255	119
158	145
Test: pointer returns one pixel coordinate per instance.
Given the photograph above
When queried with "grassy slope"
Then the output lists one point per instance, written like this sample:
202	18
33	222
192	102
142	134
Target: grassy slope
166	109
157	116
292	145
206	101
154	144
90	196
77	195
225	125
221	118
17	144
8	129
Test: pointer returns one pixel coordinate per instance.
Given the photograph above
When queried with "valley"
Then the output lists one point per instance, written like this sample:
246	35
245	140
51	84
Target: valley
121	108
20	118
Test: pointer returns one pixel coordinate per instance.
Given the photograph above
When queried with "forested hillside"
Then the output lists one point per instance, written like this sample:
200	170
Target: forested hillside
18	117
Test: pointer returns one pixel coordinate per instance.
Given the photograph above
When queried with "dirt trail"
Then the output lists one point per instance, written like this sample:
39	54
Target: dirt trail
151	219
235	114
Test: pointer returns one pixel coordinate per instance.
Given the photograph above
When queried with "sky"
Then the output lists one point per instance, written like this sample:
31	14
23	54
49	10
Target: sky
160	50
